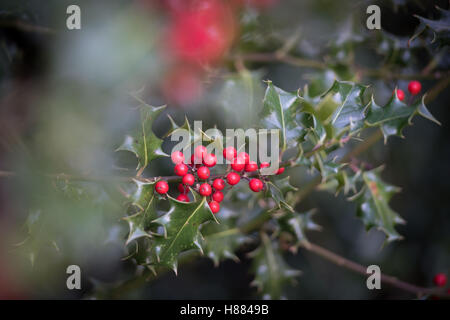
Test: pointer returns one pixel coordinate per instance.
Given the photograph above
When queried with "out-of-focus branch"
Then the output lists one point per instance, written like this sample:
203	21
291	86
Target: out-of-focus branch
309	63
358	268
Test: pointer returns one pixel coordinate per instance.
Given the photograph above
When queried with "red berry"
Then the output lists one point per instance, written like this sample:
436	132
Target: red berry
256	185
237	166
183	197
181	169
182	188
400	94
203	173
188	179
199	153
205	189
414	87
217	196
233	178
210	160
177	157
162	187
251	166
229	153
214	206
264	165
440	279
243	156
218	184
280	170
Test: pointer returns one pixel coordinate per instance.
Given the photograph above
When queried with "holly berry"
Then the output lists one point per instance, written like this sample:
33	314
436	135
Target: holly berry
264	165
183	197
162	187
177	157
218	184
280	170
237	165
414	87
251	166
181	169
243	157
203	173
182	188
233	178
440	279
199	153
256	185
217	196
205	189
214	206
188	179
400	94
229	153
210	160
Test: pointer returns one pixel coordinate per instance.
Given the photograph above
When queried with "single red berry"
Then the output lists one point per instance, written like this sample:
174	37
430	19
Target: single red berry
218	184
400	94
256	185
188	179
280	170
177	157
205	189
182	188
251	166
162	187
414	87
181	169
243	156
199	153
237	166
217	196
264	165
229	153
183	197
214	206
210	160
440	279
233	178
203	173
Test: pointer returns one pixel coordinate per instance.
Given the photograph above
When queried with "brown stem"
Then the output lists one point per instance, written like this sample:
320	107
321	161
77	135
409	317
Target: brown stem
358	268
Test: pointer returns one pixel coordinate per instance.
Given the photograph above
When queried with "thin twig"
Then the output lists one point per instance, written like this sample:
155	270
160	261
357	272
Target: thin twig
358	268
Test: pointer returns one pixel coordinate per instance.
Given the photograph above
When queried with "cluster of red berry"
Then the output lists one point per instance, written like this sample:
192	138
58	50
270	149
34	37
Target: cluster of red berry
414	88
197	170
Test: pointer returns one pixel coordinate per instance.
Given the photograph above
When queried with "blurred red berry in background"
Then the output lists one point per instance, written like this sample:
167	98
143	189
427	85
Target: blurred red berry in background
201	32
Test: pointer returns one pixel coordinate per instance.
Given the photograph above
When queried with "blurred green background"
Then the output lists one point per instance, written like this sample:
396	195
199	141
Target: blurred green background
65	106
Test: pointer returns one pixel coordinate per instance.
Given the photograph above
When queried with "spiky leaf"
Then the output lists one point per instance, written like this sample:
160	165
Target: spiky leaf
296	224
373	204
144	201
181	225
145	145
271	271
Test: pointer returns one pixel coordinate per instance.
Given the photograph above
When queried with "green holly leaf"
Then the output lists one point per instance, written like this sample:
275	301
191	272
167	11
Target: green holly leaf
271	271
439	27
373	204
395	115
277	190
144	200
181	225
344	110
280	111
145	145
223	239
296	224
